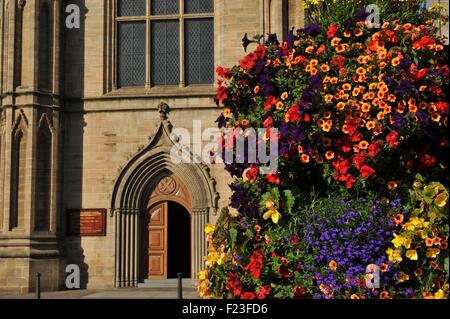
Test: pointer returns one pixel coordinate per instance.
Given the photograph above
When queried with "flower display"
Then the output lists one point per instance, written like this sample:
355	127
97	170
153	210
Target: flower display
421	243
359	113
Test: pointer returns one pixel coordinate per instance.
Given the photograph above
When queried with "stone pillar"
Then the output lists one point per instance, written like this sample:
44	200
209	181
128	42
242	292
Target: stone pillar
276	18
127	255
200	218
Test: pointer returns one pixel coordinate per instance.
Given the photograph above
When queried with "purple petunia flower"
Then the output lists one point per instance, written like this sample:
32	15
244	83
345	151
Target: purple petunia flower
312	29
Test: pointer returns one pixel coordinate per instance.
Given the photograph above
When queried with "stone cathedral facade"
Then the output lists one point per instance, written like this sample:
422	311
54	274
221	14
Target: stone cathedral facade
86	114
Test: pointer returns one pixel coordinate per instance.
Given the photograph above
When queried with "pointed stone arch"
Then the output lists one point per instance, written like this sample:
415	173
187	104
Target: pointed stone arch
43	175
18	172
130	199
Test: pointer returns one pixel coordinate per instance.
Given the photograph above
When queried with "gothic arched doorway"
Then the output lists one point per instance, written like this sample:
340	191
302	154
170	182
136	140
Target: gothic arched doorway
168	250
146	180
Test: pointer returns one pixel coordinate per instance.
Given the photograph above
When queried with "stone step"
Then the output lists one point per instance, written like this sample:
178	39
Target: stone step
167	283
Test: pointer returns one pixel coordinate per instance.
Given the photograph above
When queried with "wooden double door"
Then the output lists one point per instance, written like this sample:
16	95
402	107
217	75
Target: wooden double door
168	241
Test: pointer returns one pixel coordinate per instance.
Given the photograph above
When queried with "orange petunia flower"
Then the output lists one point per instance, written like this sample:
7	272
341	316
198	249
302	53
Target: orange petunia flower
313	62
279	105
398	219
361	71
340	106
326	127
335	41
305	158
395	61
363	145
392	185
356	91
341	48
365	107
413	108
309	49
358	32
347	87
333	265
329	155
329	98
385	295
325	68
370	125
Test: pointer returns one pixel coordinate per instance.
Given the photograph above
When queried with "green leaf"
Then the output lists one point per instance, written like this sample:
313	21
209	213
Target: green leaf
446	264
276	195
290	200
233	237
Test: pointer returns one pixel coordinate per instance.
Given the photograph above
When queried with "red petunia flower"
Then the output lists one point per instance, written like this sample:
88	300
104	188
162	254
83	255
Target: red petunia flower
428	161
373	149
268	122
270	102
321	49
252	174
338	60
392	139
332	29
367	171
263	292
248	295
273	179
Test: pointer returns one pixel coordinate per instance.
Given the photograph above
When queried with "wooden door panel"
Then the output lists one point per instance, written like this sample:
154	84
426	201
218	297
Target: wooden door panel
157	241
157	216
156	265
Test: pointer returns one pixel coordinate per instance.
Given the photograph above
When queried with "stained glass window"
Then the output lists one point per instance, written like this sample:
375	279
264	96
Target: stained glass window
198	6
149	50
131	54
127	8
199	51
165	52
164	7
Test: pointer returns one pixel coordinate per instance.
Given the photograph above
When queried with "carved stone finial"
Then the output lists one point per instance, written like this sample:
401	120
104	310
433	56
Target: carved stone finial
21	3
163	109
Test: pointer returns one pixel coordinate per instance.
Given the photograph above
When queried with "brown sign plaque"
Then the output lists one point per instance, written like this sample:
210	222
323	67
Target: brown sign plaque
87	222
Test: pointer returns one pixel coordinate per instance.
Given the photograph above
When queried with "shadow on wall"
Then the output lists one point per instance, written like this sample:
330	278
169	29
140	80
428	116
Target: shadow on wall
73	140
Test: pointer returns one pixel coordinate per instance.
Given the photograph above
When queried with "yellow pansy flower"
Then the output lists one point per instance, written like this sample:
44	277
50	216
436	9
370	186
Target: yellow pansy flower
400	241
422	234
209	228
412	254
202	275
409	226
441	200
433	252
440	294
272	213
394	255
213	257
407	243
419	222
